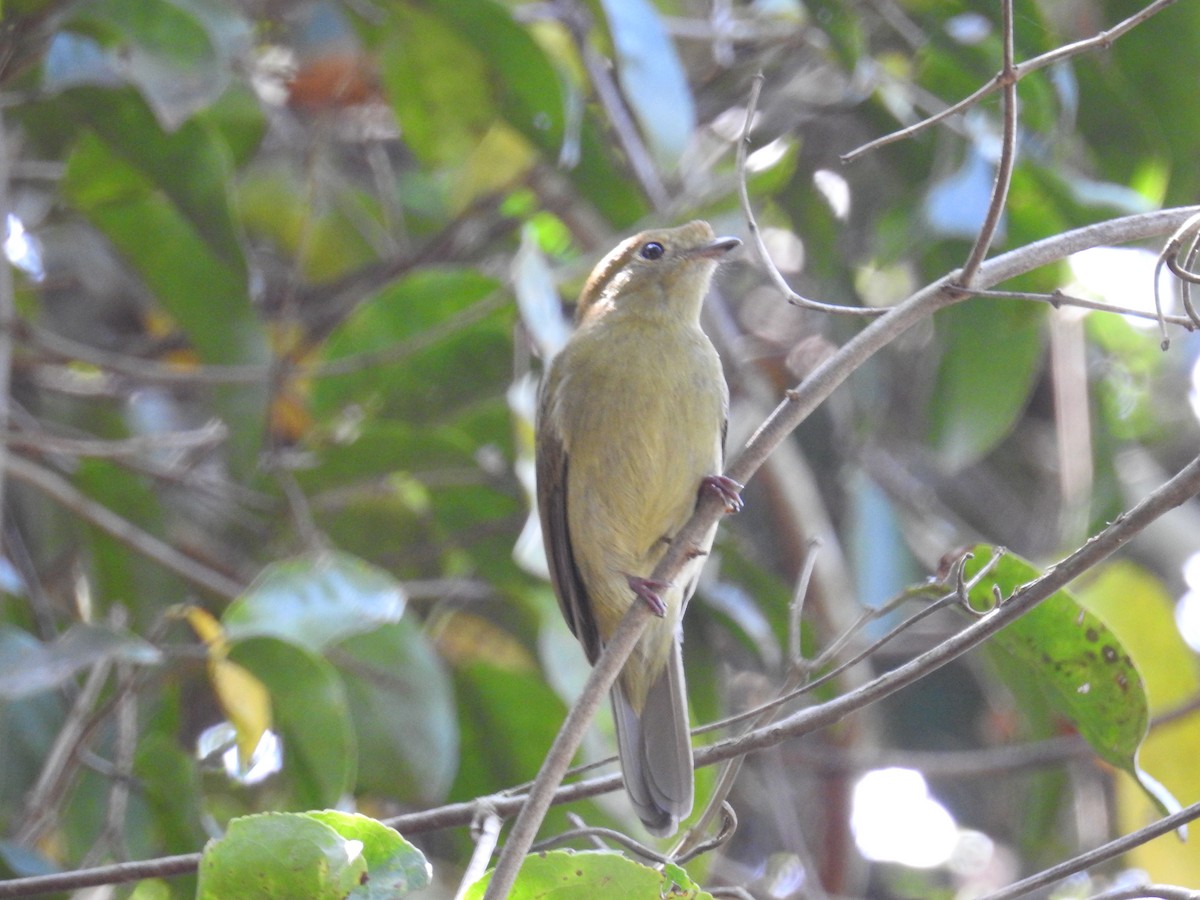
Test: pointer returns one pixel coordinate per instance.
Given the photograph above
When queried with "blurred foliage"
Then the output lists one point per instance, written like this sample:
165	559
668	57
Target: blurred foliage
312	222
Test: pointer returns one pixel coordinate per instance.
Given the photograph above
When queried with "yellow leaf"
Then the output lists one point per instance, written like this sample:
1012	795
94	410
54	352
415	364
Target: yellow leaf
246	703
207	628
499	160
242	697
1139	610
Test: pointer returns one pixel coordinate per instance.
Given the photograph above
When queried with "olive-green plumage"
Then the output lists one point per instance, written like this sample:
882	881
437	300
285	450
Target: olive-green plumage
631	420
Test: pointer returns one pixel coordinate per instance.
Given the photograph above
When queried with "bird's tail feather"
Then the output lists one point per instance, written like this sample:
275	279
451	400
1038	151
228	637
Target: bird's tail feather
656	749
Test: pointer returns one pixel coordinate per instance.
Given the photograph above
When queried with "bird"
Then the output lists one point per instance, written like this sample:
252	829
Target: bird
630	427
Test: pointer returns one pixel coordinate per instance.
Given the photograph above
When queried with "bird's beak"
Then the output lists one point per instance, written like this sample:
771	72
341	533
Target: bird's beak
716	249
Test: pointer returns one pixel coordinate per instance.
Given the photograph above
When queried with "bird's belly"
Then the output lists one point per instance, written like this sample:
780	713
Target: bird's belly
635	483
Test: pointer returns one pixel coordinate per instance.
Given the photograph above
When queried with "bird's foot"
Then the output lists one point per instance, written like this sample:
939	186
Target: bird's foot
727	489
649	590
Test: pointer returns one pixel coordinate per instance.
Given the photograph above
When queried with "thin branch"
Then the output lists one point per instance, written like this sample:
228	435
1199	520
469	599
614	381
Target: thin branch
756	233
120	873
112	836
612	659
141	370
44	799
577	19
599	835
7	307
1059	299
401	350
205	437
1181	270
1147	891
1103	853
1008	154
1182	487
63	492
1100	40
799	595
487	834
150	371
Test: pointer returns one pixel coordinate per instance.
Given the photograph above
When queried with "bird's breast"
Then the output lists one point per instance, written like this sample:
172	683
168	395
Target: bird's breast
642	417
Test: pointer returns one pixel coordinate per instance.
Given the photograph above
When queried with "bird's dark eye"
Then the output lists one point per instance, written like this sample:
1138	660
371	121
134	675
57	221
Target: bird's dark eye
652	250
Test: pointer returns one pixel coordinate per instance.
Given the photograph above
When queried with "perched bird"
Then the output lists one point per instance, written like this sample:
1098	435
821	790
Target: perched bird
630	426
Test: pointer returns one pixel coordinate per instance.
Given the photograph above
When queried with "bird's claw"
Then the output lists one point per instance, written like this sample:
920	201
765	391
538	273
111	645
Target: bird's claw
649	590
727	489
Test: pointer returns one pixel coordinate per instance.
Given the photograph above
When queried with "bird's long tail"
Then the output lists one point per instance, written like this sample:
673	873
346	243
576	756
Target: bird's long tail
656	749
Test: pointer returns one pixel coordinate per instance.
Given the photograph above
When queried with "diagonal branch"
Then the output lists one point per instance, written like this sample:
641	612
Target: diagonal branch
1100	40
66	494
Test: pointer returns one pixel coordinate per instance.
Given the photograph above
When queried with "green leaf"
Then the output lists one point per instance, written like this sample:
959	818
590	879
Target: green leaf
117	571
309	705
401	700
442	373
309	222
191	166
1082	666
315	601
29	666
382	446
393	864
204	293
652	78
989	365
438	84
509	719
169	785
30	726
280	856
570	874
179	54
236	120
527	88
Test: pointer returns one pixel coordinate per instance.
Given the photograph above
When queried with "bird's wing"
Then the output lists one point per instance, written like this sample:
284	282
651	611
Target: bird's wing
552	463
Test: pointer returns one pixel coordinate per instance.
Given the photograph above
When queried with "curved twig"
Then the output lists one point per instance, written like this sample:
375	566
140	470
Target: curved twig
1100	40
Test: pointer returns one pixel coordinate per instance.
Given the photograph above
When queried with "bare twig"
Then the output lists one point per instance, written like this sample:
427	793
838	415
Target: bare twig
1100	40
1059	299
1008	154
44	799
205	437
729	823
1103	853
603	834
558	758
112	835
1182	487
756	233
1147	891
150	371
796	607
401	350
7	307
1182	270
577	19
486	832
306	526
141	370
63	492
120	873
